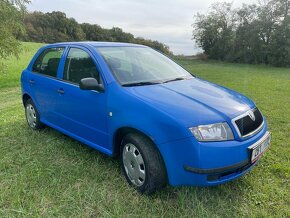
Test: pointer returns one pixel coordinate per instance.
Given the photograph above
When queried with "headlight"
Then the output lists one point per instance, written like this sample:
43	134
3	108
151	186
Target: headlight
213	132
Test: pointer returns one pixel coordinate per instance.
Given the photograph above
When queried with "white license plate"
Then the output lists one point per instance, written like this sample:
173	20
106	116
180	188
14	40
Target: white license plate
260	147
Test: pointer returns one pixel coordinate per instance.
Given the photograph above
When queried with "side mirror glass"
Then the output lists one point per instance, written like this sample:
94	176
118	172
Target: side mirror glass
91	84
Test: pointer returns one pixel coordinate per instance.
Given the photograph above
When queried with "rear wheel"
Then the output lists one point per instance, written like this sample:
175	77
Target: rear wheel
32	115
142	163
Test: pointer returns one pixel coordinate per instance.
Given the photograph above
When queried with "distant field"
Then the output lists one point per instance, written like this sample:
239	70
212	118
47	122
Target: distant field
48	174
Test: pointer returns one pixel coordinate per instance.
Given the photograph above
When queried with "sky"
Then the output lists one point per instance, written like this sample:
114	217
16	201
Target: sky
168	21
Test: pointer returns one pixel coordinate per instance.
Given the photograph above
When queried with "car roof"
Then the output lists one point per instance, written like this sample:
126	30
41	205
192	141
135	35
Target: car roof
98	44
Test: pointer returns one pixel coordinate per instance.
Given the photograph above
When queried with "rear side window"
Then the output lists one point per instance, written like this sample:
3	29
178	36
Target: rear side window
48	61
79	65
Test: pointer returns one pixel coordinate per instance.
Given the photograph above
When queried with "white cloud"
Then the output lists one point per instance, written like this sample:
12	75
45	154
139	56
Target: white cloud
168	21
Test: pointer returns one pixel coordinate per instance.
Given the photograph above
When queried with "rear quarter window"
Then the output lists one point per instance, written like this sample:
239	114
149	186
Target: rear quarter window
48	61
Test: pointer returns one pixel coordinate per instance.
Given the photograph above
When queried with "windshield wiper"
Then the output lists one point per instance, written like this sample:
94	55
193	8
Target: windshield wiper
140	83
175	79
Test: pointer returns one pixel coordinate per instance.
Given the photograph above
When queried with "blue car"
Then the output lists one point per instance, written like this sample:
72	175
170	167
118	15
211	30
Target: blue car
130	101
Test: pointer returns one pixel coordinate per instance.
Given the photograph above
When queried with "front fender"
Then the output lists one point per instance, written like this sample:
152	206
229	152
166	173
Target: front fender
126	110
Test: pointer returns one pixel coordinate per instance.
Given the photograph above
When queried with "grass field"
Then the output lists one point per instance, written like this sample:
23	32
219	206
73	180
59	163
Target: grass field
49	174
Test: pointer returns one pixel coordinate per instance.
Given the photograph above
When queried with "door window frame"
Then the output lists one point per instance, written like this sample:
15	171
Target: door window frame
59	64
63	60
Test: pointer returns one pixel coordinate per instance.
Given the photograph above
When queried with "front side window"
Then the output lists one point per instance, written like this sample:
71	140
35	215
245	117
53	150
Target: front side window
48	61
79	65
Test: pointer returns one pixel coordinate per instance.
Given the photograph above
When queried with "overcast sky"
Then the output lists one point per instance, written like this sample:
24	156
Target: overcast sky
168	21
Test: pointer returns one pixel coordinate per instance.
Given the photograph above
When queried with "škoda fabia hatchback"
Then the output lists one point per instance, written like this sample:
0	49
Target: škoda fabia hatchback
127	100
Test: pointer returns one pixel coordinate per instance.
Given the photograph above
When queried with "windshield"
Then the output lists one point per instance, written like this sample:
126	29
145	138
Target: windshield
141	66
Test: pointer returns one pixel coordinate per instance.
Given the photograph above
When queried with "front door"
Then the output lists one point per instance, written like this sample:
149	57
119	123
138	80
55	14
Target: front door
82	113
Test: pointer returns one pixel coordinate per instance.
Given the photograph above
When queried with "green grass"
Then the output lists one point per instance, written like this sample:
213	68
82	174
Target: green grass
10	76
49	174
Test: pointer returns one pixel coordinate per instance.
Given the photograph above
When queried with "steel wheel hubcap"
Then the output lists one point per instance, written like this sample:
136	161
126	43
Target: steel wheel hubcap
31	115
134	164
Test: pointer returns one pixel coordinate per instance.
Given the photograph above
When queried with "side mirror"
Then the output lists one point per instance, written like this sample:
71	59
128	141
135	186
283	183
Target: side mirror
91	84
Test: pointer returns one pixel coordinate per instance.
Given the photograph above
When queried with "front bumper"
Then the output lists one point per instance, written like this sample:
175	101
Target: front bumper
190	162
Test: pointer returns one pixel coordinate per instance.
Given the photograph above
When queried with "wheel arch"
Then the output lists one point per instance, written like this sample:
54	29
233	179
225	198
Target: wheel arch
25	97
120	134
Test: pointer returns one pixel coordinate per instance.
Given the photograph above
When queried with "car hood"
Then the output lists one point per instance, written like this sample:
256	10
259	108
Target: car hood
194	101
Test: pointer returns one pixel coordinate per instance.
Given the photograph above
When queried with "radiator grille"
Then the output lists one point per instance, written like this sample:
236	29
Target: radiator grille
248	125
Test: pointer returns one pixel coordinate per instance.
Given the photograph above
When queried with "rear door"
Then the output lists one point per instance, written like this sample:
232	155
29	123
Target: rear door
82	113
43	81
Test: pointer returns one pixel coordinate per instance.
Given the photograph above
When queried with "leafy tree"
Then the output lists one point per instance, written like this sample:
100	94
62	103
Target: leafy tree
51	27
246	43
94	32
250	34
214	31
279	48
118	35
11	16
154	44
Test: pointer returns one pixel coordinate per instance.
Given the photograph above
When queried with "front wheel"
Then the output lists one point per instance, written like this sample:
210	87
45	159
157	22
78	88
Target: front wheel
142	163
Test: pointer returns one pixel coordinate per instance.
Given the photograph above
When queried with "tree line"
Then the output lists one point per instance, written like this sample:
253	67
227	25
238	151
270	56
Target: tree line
57	27
17	25
254	33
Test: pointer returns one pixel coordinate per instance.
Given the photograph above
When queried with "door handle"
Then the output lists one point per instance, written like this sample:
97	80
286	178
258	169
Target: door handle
60	91
31	81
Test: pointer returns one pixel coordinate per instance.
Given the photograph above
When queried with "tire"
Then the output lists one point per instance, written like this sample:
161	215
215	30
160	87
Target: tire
142	164
32	115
